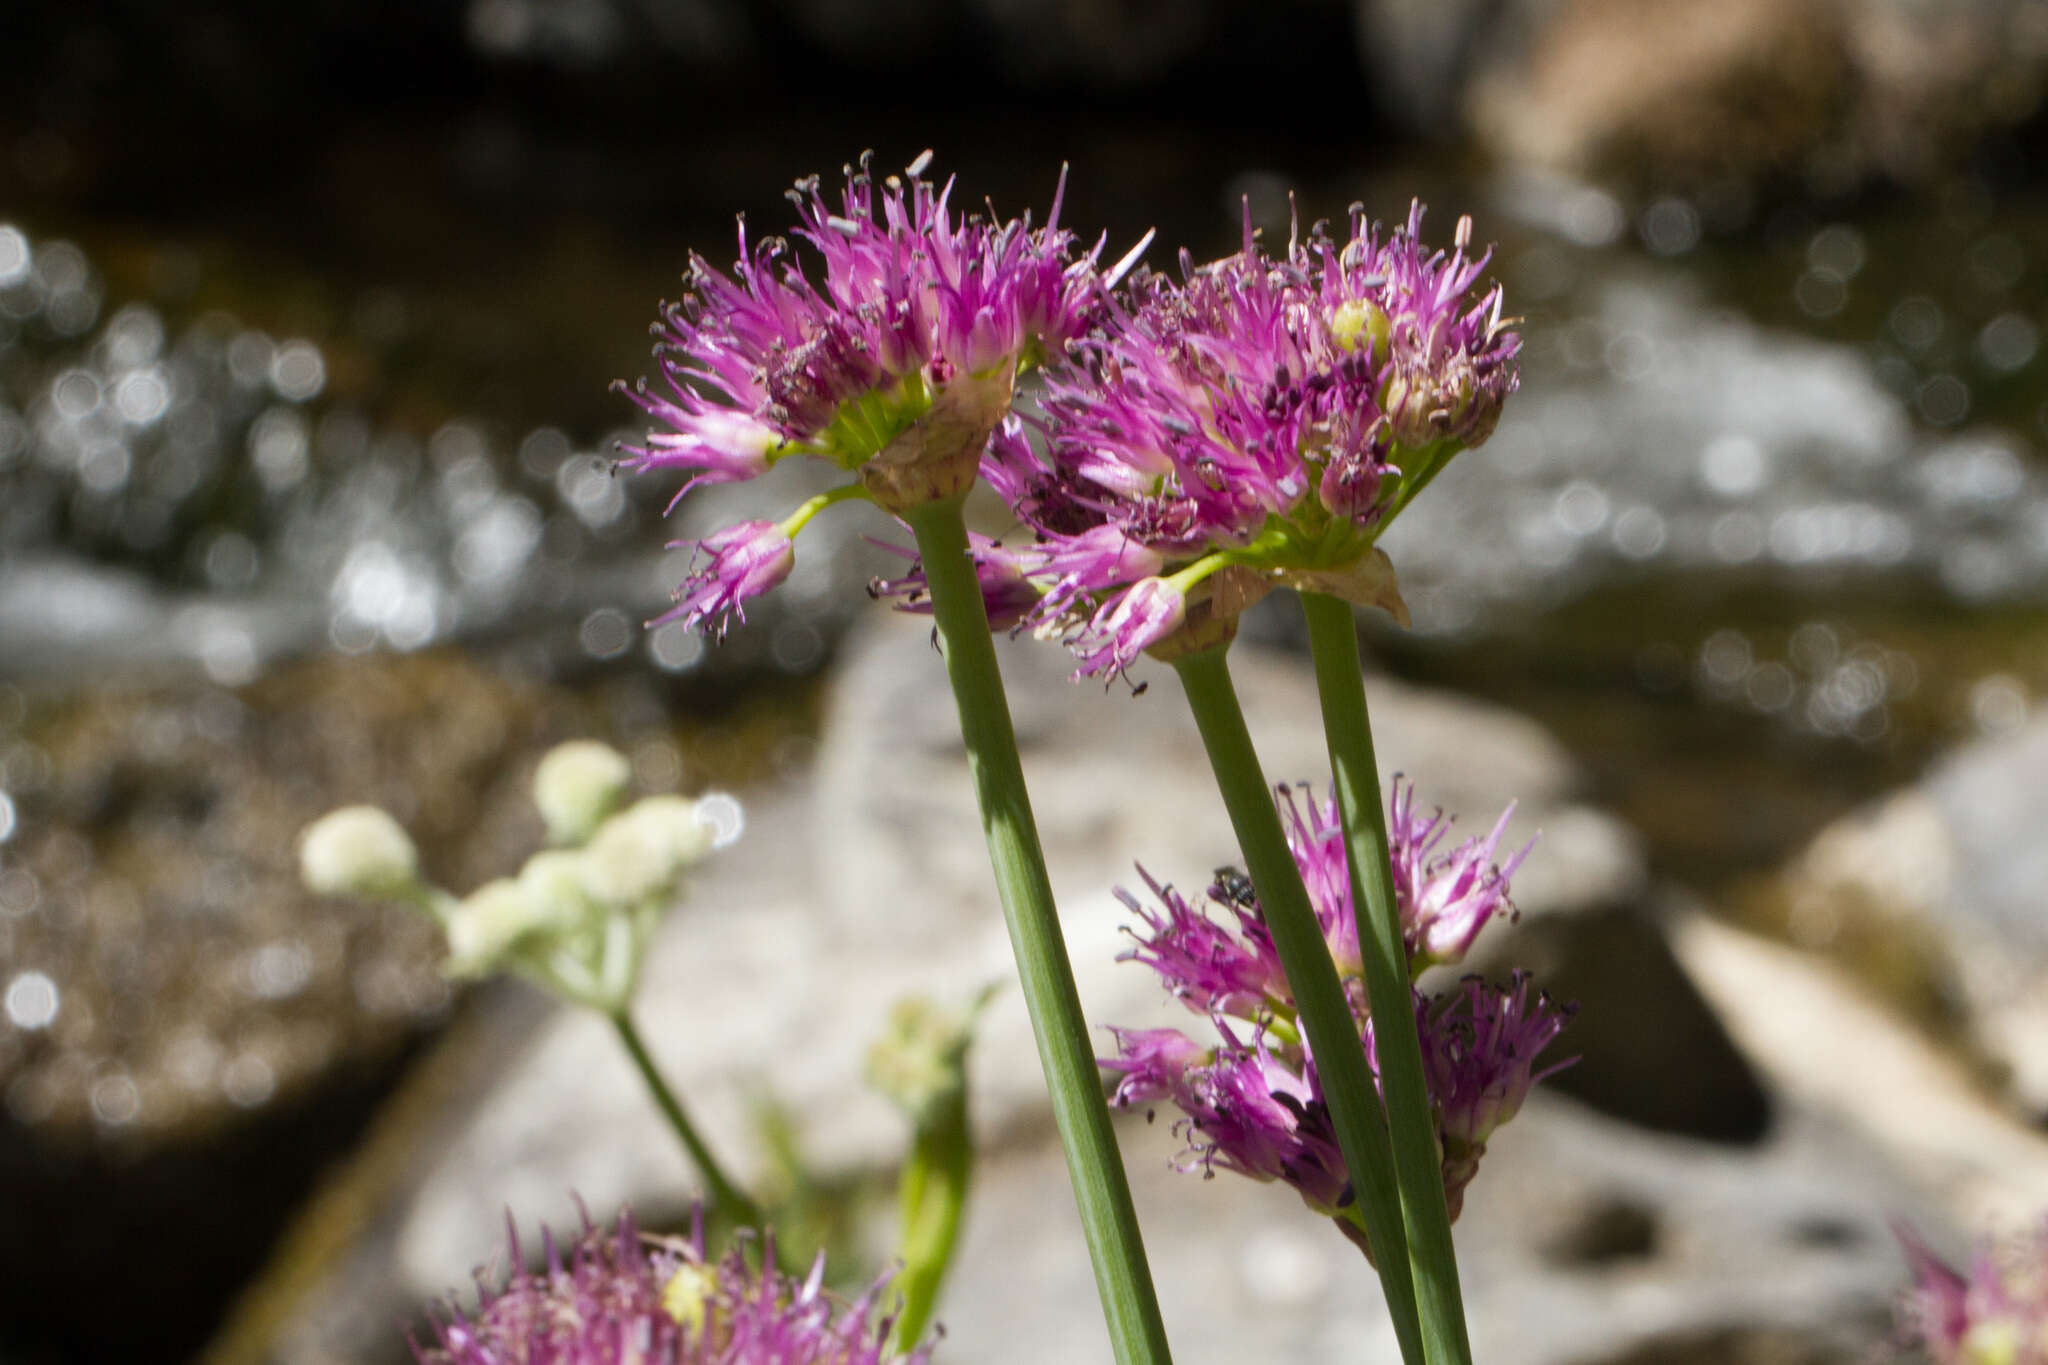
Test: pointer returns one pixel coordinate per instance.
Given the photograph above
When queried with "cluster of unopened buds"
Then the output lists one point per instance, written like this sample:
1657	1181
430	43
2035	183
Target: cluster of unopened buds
1252	1101
578	915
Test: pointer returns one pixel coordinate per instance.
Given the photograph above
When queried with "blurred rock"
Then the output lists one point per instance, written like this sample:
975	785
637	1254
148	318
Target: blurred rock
1933	897
1650	1048
1663	88
1785	1244
1690	93
1816	1033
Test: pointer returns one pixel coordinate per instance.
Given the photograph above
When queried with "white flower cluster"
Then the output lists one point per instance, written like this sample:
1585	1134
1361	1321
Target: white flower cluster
577	917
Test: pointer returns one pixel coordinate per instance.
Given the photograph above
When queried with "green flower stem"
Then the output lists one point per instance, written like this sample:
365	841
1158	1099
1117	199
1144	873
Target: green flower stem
930	1202
1122	1276
729	1198
1333	638
1333	1035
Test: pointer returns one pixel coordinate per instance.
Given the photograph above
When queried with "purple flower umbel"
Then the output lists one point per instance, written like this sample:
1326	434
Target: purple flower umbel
1996	1314
620	1298
1253	1102
1254	424
894	365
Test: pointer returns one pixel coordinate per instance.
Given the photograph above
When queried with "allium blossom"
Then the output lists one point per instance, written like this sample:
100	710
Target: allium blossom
1996	1314
617	1297
894	365
1252	1102
1255	424
1444	896
1480	1048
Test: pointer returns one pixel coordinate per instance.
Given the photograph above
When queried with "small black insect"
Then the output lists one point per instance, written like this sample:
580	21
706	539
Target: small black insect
1235	888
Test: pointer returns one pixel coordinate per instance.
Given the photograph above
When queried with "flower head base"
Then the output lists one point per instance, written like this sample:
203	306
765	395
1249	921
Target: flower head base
617	1296
1253	1103
1255	424
1996	1314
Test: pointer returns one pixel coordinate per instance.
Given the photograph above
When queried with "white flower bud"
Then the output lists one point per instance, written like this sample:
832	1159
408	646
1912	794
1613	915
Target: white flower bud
639	852
557	881
358	851
577	785
490	922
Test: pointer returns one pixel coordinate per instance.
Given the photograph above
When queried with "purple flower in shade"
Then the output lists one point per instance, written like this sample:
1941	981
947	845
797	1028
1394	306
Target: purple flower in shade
894	365
620	1298
1480	1046
1253	1102
728	567
1445	897
1244	1108
1997	1314
1255	424
1231	971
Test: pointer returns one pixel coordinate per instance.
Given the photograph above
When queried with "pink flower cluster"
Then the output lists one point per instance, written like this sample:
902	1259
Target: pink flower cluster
1255	424
1996	1313
1253	1102
918	325
617	1296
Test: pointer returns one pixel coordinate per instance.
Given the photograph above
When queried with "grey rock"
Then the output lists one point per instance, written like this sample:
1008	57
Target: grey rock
1817	1033
1935	895
1787	1240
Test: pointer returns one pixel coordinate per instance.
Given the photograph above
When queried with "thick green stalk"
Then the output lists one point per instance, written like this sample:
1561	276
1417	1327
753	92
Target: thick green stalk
728	1197
1333	1034
1333	637
1122	1276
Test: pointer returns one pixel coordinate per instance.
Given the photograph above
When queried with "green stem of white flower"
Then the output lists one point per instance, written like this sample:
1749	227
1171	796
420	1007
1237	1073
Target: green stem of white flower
729	1198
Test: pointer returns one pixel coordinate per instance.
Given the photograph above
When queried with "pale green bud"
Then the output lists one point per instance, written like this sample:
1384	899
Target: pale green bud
358	851
489	924
640	852
577	785
687	1296
920	1062
1995	1342
557	881
1361	322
